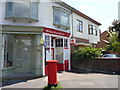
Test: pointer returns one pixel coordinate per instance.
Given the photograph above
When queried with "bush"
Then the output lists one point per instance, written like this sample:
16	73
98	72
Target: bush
87	53
115	46
53	88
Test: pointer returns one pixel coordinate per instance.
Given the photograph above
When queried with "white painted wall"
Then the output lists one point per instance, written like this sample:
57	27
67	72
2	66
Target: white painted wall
45	16
84	35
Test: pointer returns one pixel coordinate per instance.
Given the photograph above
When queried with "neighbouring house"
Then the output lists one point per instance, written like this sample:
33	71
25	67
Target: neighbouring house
104	40
34	32
85	31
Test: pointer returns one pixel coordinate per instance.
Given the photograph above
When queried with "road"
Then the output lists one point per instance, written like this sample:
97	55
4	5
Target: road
73	80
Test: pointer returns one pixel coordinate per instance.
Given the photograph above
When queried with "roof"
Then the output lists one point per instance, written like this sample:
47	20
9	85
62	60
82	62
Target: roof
77	12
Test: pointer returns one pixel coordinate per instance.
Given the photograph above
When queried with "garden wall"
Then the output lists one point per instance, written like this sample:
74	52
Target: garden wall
100	64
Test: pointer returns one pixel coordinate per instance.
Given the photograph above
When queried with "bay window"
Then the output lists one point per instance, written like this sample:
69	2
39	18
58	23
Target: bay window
61	17
22	9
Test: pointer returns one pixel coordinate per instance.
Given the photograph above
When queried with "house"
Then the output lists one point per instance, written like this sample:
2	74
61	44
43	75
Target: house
85	31
34	32
104	40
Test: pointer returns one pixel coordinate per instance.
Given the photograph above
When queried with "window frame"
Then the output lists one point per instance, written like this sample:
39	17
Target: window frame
12	16
66	43
79	26
60	9
47	40
59	43
7	62
92	29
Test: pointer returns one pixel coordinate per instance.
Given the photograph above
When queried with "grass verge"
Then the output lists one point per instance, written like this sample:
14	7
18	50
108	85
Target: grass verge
53	88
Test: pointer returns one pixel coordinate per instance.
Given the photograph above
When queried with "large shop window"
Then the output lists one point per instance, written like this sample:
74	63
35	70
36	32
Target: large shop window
22	9
92	30
8	50
61	17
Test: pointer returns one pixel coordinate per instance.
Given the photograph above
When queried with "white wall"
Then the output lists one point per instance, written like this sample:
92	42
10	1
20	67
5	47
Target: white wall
45	16
84	35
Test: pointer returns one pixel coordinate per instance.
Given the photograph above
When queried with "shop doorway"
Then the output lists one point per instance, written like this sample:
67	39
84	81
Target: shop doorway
23	53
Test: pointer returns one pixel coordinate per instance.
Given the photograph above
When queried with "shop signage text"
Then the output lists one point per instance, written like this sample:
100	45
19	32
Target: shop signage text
56	32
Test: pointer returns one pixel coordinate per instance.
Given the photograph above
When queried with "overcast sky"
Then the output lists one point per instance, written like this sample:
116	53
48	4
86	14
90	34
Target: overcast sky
103	11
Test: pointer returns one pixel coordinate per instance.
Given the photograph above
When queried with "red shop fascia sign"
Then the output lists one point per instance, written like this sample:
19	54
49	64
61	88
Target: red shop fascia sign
56	32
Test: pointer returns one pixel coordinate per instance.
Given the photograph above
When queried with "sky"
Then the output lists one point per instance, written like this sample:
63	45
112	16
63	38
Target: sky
103	11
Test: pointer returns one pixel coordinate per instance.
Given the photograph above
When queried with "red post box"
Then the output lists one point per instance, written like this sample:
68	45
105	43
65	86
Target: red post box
52	73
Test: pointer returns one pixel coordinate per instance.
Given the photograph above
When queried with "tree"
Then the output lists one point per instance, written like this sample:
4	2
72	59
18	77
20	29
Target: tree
114	37
115	28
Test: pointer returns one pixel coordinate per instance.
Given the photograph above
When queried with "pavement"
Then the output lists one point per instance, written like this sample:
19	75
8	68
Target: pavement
72	80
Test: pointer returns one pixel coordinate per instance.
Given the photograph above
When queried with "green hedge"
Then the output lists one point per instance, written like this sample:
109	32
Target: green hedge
87	53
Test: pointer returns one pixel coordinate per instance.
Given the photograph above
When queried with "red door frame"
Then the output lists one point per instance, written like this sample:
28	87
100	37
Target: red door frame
53	52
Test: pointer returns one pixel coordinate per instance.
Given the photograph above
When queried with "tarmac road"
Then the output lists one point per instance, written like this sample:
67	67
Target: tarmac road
73	80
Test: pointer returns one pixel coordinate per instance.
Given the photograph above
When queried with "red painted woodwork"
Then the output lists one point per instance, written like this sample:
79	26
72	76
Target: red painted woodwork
46	69
60	67
66	65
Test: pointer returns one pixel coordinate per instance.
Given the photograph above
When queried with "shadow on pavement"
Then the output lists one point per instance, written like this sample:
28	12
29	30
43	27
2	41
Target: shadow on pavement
90	71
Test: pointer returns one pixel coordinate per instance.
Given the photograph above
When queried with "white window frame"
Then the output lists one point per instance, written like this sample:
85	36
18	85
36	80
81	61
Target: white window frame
92	29
60	15
79	26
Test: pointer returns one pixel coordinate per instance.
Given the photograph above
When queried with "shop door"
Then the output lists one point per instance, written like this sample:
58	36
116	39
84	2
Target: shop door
23	50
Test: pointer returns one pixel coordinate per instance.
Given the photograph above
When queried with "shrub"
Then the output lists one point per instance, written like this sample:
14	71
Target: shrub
115	46
87	53
53	88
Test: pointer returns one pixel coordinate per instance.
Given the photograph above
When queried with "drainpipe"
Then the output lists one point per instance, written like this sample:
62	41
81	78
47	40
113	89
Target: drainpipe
71	35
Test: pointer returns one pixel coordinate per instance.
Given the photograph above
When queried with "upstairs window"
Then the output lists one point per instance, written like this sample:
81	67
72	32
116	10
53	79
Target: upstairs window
61	17
92	30
22	10
79	26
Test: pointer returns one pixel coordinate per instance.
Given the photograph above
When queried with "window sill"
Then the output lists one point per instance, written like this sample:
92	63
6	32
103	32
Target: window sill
62	26
7	68
93	34
21	18
80	31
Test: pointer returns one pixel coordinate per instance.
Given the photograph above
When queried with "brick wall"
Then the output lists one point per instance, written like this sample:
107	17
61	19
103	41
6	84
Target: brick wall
110	65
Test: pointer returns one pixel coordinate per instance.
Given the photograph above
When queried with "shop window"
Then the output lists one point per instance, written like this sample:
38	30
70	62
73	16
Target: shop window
47	40
92	30
61	17
8	50
59	42
22	9
79	26
65	43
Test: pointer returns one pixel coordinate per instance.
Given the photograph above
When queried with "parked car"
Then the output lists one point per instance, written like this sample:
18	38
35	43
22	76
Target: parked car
111	56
